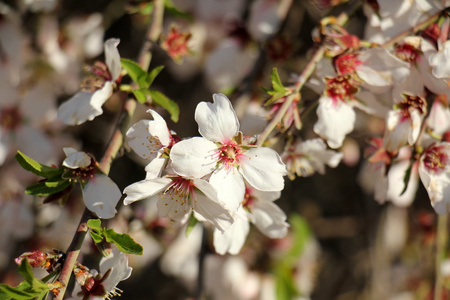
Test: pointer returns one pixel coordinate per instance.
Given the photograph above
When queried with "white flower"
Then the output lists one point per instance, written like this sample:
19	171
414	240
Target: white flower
229	162
100	193
259	209
86	105
404	122
177	196
440	61
149	139
434	172
310	156
97	286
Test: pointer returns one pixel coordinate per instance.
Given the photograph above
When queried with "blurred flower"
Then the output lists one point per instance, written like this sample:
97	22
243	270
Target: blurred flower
434	171
176	44
304	158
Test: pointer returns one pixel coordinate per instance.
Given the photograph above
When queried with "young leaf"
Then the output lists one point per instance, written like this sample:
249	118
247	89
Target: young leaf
276	81
407	177
45	188
95	224
170	8
123	241
162	100
37	168
153	73
191	224
134	70
20	292
141	95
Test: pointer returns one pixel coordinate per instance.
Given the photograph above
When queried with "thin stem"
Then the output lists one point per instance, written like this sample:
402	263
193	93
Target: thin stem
201	263
412	30
114	146
441	244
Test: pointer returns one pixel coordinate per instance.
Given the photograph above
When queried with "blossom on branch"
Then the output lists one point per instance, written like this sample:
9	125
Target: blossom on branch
97	89
100	193
220	154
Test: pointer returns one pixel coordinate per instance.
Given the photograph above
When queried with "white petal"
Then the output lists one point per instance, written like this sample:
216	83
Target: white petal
101	195
217	121
438	188
265	196
142	142
269	219
173	206
264	169
397	131
205	203
158	127
440	62
439	118
84	106
117	261
193	157
76	159
232	240
396	184
112	58
144	189
155	167
336	120
230	187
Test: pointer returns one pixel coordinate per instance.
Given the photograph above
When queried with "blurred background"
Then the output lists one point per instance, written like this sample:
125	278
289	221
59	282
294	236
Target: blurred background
342	244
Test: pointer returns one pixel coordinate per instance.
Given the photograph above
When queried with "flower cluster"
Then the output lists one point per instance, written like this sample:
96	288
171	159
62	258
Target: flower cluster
208	175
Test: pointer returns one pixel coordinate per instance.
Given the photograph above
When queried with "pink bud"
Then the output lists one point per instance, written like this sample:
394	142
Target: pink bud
36	258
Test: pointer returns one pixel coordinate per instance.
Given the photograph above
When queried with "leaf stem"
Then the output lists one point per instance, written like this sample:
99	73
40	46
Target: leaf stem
441	244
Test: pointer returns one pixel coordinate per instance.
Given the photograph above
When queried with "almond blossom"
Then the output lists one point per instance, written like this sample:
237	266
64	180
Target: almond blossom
150	139
307	157
218	153
259	209
177	197
434	171
100	193
404	122
95	286
87	104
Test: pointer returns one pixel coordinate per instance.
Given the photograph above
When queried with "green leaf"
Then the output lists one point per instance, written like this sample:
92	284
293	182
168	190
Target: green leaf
28	289
153	73
141	95
276	81
170	8
135	71
21	292
191	224
95	224
97	237
407	177
162	100
123	241
37	168
45	188
301	233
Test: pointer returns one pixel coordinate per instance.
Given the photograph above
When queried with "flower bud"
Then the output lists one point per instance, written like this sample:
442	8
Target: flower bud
36	258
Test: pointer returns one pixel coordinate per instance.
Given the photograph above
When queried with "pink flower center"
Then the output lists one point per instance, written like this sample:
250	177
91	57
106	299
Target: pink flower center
346	64
230	154
176	43
407	53
409	104
10	118
340	87
249	200
96	76
82	175
180	189
436	158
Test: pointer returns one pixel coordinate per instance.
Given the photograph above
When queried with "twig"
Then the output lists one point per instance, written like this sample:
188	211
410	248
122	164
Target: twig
441	243
114	146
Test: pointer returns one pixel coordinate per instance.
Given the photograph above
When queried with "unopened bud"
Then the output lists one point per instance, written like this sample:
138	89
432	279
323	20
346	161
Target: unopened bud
36	258
446	137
